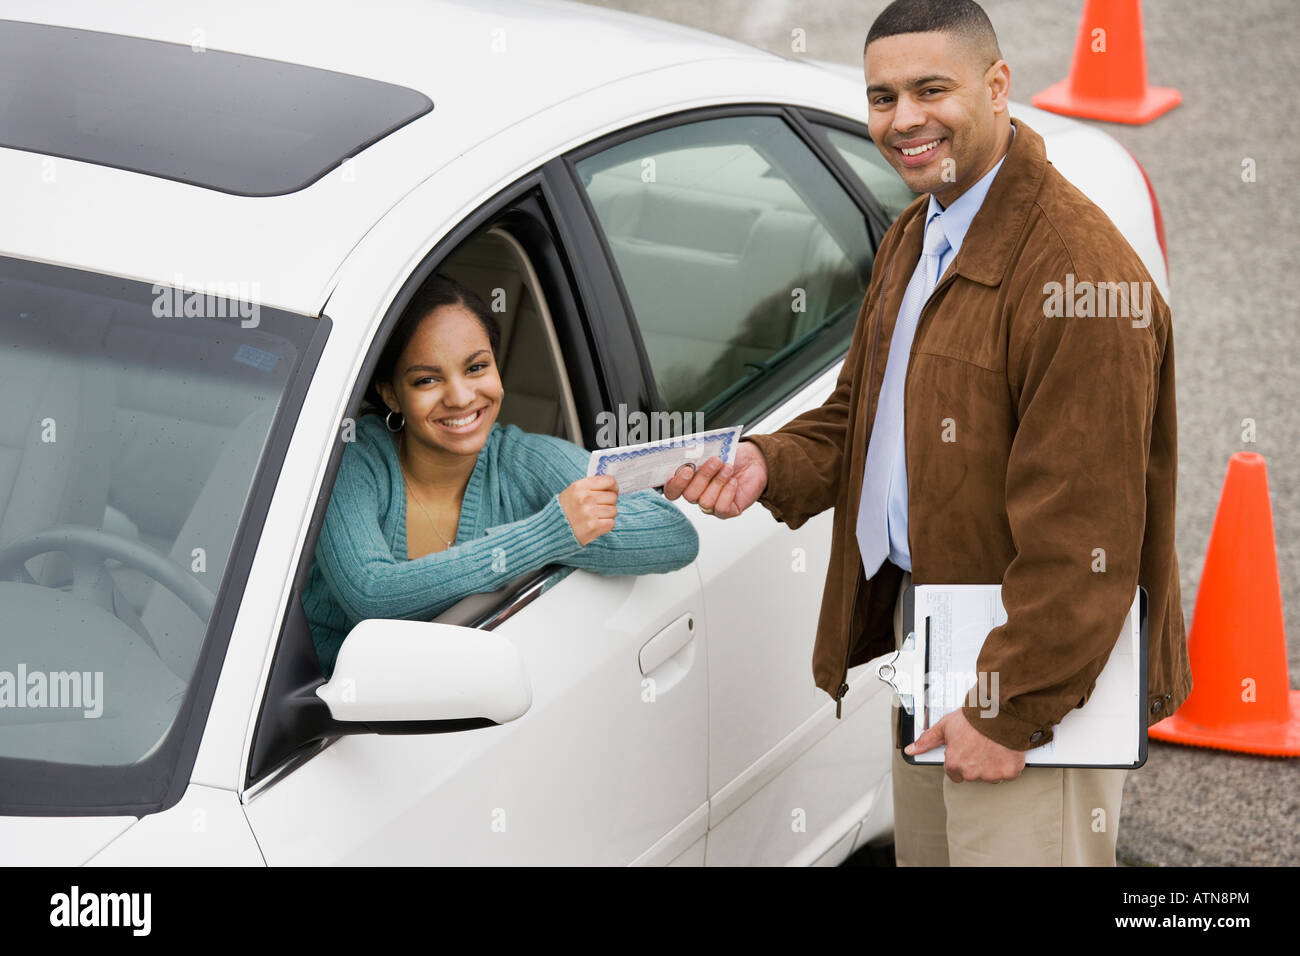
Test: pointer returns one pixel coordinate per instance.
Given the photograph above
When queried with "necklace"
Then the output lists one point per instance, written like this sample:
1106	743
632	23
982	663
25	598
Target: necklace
411	487
426	515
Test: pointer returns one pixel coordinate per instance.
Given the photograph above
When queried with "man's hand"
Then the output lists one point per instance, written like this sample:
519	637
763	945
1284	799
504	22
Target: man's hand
722	490
970	755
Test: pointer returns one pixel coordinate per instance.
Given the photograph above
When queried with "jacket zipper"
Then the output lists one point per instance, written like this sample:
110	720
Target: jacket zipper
871	378
871	374
844	681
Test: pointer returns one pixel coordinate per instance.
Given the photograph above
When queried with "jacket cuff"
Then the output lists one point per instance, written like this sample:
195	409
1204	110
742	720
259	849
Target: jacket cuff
1006	728
770	446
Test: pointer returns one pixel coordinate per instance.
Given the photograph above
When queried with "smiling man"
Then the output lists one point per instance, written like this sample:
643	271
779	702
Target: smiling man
928	121
977	435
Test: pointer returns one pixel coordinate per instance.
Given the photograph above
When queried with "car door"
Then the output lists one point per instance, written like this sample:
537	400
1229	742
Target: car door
744	260
607	765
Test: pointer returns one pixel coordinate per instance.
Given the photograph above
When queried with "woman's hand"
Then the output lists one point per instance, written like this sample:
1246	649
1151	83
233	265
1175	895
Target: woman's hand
590	504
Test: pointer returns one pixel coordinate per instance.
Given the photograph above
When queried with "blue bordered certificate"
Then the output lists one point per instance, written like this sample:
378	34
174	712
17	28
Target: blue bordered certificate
650	465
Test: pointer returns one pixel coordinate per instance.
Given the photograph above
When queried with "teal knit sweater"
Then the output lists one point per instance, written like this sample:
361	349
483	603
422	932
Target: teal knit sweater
511	523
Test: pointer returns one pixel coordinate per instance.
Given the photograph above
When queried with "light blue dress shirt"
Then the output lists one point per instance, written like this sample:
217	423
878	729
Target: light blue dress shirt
956	220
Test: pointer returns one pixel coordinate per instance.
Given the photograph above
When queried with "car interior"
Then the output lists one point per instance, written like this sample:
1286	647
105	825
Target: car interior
736	239
209	451
128	429
153	436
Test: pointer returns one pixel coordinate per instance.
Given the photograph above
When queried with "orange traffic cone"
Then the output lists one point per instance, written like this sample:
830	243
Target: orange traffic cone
1108	78
1241	698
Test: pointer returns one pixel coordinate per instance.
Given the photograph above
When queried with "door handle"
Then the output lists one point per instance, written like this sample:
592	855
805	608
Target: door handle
666	643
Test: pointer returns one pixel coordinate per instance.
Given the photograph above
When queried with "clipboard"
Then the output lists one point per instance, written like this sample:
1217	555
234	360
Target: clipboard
952	621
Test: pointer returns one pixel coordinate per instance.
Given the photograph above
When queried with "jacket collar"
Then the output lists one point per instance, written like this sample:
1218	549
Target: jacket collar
996	228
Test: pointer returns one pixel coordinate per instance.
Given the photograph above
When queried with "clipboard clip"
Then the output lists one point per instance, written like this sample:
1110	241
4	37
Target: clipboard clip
897	671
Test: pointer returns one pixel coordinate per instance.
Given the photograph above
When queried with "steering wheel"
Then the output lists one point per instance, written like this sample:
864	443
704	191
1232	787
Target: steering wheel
87	548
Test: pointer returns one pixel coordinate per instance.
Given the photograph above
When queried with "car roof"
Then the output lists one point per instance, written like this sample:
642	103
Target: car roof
486	65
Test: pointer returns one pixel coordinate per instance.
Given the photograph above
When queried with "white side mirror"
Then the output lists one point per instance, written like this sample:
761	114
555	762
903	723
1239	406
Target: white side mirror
414	671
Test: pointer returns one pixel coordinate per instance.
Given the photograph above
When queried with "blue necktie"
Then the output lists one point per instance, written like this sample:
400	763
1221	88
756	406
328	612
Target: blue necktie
884	486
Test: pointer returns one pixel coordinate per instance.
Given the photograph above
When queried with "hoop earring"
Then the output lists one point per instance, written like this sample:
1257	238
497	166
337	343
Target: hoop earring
388	422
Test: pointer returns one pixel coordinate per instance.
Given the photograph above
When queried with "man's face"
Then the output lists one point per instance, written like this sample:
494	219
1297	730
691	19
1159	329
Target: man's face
934	110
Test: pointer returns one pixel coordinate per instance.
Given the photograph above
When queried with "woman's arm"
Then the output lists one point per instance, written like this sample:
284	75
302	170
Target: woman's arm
650	534
368	582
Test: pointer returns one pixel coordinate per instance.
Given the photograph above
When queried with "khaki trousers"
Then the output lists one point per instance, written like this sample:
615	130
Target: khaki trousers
1048	816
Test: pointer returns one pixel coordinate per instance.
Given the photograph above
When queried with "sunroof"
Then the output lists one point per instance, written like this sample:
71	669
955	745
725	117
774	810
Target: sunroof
238	124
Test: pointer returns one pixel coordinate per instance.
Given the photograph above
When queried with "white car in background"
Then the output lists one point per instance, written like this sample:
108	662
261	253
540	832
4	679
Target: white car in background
212	214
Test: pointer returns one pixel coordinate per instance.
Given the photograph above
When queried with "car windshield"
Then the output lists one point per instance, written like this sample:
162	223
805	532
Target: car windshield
132	426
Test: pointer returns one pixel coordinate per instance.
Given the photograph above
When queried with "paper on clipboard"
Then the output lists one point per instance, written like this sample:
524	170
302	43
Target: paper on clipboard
937	669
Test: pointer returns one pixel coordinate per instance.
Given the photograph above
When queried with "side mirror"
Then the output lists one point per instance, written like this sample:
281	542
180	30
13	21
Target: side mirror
404	671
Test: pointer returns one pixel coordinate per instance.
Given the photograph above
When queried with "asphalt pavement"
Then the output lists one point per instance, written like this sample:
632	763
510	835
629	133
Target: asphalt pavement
1232	246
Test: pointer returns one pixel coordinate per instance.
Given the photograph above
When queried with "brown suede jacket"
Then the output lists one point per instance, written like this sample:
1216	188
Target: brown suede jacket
1042	453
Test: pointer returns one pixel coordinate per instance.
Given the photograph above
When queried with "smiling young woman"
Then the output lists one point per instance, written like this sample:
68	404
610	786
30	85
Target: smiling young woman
436	499
443	394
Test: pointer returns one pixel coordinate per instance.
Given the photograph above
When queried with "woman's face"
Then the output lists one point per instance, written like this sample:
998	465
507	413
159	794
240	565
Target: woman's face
446	384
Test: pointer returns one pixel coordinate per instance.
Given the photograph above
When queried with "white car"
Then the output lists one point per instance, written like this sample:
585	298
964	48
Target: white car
210	216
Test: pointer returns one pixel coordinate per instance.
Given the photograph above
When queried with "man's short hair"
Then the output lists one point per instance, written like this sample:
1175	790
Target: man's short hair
964	18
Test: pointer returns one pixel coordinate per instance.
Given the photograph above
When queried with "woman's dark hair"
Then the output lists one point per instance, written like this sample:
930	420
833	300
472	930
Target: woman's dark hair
438	291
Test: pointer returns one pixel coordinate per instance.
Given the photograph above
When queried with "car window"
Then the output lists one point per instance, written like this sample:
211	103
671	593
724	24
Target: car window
134	423
736	247
863	158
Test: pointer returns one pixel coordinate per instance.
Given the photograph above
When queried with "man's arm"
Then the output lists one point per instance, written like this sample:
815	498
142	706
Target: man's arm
1085	392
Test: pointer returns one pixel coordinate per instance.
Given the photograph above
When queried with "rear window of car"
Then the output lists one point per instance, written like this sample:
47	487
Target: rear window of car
235	123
